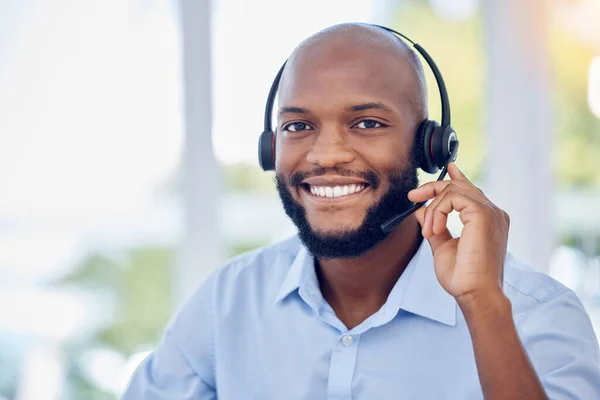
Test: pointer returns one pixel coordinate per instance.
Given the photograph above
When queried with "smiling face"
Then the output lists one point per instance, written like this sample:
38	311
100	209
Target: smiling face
350	102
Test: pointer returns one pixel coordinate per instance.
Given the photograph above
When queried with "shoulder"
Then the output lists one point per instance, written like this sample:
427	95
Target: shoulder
230	290
541	304
555	330
262	268
529	289
257	273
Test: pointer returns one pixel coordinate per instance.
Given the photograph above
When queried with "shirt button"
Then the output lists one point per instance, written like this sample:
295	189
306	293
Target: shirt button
347	340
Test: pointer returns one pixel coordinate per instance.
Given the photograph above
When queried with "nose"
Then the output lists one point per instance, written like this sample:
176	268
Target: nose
330	148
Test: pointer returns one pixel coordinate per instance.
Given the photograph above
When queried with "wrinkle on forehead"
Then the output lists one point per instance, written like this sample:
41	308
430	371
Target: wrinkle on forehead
341	45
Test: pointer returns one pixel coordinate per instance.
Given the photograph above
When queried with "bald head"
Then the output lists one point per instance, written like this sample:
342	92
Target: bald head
369	52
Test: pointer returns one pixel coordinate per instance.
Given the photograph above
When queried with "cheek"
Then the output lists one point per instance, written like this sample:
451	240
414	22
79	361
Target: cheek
286	157
388	155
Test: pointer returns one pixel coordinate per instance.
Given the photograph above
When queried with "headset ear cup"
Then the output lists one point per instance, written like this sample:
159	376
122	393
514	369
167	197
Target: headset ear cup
442	138
437	147
424	136
266	151
450	140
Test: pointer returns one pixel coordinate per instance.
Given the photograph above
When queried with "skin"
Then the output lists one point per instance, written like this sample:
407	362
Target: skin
326	79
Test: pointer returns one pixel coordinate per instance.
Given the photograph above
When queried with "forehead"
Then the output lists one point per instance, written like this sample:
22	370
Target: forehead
342	72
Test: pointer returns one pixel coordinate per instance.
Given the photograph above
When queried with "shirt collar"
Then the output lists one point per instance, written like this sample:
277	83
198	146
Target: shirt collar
417	291
301	263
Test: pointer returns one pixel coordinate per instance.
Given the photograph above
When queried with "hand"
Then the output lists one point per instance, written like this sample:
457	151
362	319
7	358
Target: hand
473	264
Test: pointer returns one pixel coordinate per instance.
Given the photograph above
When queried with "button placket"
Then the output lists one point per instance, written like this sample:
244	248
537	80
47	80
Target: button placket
341	368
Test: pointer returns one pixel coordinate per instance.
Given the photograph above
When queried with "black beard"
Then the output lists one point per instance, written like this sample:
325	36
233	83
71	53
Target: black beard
350	243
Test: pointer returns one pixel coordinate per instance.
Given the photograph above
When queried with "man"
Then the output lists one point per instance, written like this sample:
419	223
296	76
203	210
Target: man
346	312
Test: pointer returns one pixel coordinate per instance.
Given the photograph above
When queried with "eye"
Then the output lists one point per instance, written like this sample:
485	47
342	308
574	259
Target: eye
297	127
369	124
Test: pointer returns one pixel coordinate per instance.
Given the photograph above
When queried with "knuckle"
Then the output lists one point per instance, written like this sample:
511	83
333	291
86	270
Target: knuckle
452	186
486	209
506	217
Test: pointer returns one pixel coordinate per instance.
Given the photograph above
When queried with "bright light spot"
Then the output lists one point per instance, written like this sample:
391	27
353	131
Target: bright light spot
129	368
594	86
90	116
564	263
54	314
43	374
456	10
52	257
102	366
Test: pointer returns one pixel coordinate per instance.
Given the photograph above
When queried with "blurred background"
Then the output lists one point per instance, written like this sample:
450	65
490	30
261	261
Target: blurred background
128	156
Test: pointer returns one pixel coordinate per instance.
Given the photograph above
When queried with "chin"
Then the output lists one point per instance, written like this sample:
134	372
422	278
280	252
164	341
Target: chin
333	230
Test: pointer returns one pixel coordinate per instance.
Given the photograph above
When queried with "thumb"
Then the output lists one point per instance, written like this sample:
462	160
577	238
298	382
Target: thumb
435	241
420	214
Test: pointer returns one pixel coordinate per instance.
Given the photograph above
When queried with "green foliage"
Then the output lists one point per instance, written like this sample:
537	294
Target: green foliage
248	178
140	282
240	248
96	272
80	388
145	302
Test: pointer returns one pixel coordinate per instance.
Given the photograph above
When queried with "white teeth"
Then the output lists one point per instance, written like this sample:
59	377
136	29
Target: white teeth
336	191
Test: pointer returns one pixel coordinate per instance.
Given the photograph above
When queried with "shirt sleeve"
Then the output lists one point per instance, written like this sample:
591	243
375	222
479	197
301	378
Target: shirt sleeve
563	348
182	366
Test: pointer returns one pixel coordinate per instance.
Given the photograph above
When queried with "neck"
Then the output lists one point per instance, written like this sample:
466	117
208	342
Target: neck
357	287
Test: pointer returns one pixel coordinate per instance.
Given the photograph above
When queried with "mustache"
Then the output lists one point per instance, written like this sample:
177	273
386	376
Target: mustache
370	176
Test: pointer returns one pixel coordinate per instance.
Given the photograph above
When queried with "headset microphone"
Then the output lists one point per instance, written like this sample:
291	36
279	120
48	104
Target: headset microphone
438	142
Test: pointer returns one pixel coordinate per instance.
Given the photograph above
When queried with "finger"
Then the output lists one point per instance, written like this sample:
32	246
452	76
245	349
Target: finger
435	241
452	201
428	220
434	223
420	214
433	189
428	191
438	220
455	173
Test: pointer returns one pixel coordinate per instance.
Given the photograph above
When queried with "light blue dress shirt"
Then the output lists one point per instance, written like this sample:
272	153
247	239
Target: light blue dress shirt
259	328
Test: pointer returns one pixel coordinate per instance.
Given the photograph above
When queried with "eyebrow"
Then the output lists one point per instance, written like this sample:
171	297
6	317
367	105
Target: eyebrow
355	108
293	110
370	106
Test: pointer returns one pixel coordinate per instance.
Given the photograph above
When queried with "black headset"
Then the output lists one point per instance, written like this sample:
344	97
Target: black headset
438	143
